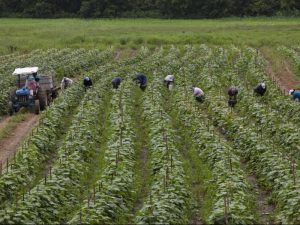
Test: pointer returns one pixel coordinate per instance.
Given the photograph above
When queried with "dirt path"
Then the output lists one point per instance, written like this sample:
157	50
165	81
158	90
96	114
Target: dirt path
9	145
4	122
285	79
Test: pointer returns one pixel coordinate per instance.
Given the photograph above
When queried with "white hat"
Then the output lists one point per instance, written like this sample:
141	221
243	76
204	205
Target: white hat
291	91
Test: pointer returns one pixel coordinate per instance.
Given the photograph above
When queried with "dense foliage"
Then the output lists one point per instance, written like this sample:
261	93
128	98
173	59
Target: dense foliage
147	8
94	175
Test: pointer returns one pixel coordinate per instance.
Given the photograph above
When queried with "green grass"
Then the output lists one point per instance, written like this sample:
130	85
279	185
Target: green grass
28	34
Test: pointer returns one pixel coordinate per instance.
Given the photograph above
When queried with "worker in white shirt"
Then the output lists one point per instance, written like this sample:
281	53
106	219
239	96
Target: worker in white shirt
169	80
198	94
65	83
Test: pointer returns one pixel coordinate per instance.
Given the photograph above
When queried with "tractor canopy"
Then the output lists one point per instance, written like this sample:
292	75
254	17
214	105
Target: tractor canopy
25	71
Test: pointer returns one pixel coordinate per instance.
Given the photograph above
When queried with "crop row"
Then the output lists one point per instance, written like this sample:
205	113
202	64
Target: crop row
268	163
24	169
48	201
53	61
232	200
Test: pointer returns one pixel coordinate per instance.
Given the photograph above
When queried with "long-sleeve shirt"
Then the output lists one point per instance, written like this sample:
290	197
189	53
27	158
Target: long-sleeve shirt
296	95
141	79
169	78
87	81
198	92
259	89
233	91
65	82
116	80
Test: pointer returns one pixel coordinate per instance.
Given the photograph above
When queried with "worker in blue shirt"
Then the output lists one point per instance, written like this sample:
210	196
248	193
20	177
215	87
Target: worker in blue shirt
116	82
295	94
141	79
232	92
260	89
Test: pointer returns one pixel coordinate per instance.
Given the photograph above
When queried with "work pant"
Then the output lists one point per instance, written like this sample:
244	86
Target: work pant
115	85
200	98
232	102
143	87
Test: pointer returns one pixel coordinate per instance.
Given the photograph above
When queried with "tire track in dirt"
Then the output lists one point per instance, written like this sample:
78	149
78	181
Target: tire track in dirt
285	80
9	145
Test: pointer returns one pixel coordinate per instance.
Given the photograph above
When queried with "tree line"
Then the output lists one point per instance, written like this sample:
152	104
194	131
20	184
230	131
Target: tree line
147	8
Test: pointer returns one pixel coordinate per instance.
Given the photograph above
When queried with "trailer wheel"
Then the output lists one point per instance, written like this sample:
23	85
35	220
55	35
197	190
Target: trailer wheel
42	97
37	107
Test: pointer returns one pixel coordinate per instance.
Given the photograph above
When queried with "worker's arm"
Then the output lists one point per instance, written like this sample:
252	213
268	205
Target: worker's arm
62	85
70	81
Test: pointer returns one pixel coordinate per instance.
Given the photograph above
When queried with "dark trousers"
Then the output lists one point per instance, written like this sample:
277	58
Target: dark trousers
143	87
232	102
200	98
115	85
167	83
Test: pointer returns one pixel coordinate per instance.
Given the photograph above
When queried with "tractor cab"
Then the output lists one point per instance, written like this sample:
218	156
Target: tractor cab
32	91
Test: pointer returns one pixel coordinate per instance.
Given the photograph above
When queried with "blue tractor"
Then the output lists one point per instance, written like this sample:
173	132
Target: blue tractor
33	92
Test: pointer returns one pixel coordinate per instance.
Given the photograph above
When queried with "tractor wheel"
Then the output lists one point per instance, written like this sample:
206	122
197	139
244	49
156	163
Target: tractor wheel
10	108
37	107
42	97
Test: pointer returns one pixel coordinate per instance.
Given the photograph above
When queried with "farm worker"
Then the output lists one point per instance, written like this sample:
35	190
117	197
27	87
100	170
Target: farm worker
65	83
295	94
198	93
87	82
260	89
36	78
232	92
142	80
169	79
31	84
116	82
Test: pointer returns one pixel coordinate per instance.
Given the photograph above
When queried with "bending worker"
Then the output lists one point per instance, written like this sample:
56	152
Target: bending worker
169	79
295	94
142	80
65	83
116	82
87	82
232	92
199	94
260	89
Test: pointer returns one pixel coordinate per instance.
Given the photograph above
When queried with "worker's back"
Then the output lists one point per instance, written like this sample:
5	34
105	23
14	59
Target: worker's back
116	81
142	80
296	95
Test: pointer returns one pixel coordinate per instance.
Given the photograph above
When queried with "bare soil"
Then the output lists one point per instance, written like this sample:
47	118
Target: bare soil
9	145
285	79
